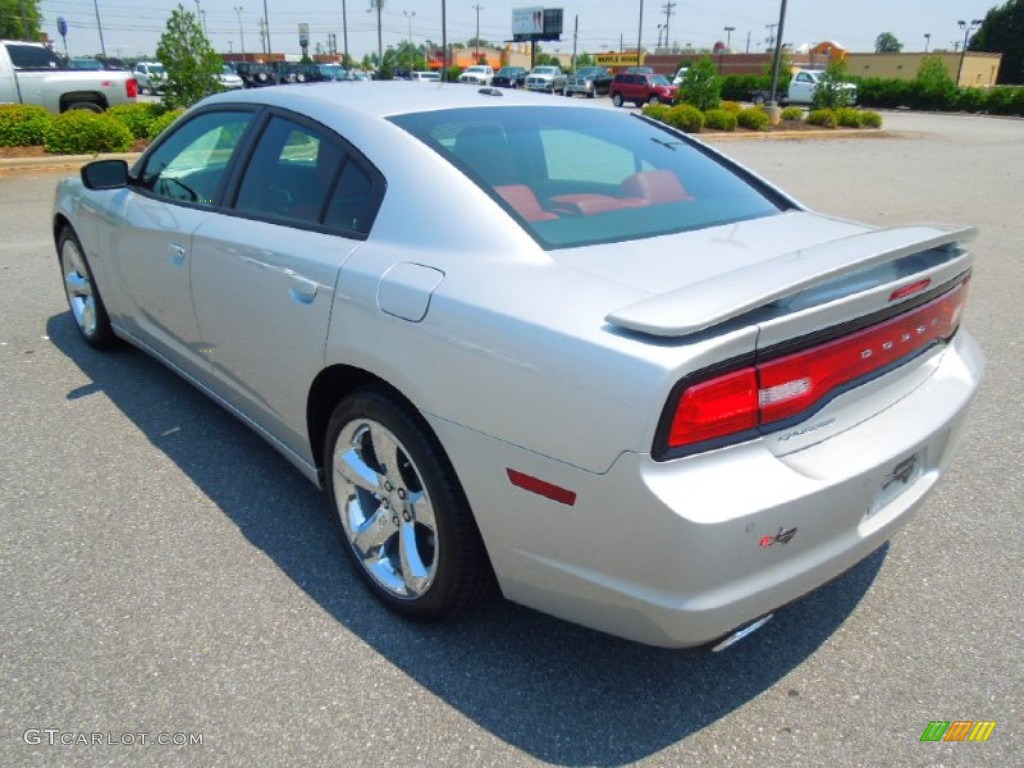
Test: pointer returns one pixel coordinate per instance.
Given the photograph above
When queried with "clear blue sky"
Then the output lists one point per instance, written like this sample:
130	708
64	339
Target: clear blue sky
132	27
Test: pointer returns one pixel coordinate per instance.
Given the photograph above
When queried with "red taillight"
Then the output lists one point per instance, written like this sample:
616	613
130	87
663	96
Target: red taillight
132	87
785	388
715	408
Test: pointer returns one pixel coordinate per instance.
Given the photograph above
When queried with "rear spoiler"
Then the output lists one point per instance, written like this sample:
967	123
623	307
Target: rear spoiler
693	308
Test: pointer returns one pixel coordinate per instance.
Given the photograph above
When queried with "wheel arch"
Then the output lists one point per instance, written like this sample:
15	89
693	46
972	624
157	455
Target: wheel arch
330	387
60	221
76	97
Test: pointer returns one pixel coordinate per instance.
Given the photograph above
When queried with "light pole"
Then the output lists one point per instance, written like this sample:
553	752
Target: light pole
476	42
927	40
344	32
241	34
266	25
640	33
967	28
778	54
99	26
378	5
410	15
728	38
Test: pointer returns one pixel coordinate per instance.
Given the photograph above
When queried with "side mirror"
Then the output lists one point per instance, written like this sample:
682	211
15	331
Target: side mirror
105	174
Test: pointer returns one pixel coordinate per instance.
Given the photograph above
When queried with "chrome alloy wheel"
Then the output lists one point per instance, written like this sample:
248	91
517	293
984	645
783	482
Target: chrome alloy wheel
385	510
79	288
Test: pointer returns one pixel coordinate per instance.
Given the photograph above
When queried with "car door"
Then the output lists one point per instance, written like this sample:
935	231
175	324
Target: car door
803	88
264	277
176	189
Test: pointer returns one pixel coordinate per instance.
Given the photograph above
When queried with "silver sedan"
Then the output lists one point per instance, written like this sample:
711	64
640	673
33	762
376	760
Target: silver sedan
553	347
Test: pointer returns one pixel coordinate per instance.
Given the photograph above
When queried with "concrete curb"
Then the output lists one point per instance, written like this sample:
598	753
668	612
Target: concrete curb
61	161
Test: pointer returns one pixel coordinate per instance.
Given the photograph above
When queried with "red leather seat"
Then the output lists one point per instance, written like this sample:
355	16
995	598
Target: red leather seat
655	187
524	202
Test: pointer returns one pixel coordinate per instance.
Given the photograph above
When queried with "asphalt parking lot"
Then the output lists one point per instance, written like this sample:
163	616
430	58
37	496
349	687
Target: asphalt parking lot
165	572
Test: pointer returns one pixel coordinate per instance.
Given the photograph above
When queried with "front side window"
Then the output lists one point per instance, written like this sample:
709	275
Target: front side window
190	164
574	178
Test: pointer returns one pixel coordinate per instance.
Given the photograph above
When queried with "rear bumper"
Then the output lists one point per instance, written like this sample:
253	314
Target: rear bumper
679	553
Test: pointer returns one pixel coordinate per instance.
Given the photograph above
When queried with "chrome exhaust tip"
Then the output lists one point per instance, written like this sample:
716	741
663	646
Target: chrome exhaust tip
739	634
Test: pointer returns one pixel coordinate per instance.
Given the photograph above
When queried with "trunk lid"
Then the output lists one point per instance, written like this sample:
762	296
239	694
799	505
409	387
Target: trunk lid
795	273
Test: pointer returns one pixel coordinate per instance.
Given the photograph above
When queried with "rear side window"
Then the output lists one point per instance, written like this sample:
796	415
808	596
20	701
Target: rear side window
580	177
303	175
290	173
32	57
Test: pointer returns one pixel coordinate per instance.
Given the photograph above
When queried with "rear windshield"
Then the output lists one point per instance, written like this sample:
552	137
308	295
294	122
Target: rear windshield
575	177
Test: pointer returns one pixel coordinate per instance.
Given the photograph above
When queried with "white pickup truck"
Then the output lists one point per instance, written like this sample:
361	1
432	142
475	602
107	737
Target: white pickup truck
30	73
801	90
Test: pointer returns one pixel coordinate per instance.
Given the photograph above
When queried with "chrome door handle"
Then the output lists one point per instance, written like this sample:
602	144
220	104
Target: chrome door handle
177	254
302	290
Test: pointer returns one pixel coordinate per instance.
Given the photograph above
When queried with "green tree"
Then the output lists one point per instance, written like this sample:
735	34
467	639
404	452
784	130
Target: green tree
191	63
785	70
14	14
831	92
584	60
934	85
1002	31
887	42
701	86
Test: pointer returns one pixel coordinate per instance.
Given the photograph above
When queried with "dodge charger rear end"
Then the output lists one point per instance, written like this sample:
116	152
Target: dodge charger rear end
643	388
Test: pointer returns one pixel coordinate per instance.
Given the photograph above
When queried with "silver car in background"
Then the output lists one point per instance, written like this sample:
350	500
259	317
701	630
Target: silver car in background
550	79
603	366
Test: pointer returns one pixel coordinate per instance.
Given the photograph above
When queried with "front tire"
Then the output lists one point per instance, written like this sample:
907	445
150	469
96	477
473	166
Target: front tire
83	295
399	510
617	99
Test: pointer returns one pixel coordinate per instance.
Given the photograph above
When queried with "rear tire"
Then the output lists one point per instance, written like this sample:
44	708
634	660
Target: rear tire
88	106
399	510
617	99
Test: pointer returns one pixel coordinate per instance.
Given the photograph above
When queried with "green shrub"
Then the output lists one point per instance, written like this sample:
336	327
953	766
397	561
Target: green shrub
79	131
685	117
754	118
137	117
720	120
731	106
792	114
160	124
871	119
1005	100
701	85
934	87
848	117
23	125
884	92
971	100
826	118
742	87
656	111
831	92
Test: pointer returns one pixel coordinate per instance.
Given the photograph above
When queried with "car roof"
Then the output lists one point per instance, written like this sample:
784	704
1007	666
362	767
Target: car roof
337	101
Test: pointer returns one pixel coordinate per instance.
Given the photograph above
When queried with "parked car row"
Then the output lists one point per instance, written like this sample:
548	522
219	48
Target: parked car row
639	85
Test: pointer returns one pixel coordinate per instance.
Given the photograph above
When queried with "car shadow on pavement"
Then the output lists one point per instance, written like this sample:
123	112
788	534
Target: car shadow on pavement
559	692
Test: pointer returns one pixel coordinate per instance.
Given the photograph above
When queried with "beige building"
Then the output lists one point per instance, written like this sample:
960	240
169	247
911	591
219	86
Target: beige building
980	70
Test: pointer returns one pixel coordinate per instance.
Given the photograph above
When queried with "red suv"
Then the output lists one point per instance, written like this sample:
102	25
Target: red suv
642	89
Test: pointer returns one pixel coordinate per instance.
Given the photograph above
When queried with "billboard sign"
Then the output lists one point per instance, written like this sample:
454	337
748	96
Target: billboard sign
527	21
